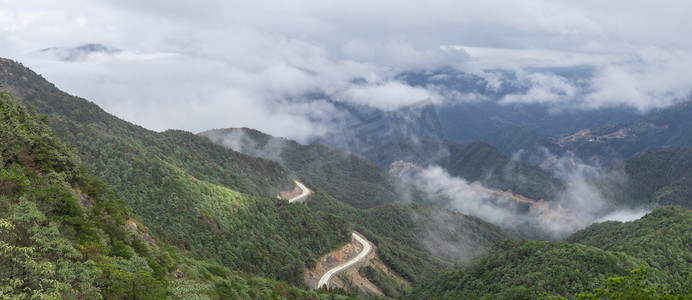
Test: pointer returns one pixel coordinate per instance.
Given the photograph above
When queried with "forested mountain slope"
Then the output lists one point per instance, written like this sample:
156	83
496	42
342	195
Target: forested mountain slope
518	270
103	138
191	193
52	244
659	241
661	177
65	234
415	241
516	141
605	145
480	161
601	145
662	238
348	177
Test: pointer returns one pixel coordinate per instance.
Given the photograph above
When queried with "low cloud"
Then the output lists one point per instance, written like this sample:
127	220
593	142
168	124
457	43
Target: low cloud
445	235
623	215
580	203
459	195
239	140
654	78
399	52
387	96
648	79
541	88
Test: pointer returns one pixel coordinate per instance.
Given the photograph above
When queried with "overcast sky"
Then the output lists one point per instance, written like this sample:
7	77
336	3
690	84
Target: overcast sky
198	65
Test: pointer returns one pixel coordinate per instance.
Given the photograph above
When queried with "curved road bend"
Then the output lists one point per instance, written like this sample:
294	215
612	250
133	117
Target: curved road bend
367	247
303	195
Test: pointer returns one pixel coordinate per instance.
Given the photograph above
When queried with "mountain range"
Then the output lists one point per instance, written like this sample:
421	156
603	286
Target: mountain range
92	206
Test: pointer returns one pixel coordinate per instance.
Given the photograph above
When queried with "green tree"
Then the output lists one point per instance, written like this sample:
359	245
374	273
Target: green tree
633	286
21	275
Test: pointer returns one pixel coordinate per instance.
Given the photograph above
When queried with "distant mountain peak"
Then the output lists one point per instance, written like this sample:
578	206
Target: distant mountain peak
79	53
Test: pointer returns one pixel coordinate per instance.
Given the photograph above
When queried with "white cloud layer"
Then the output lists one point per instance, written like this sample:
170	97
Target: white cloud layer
578	205
200	65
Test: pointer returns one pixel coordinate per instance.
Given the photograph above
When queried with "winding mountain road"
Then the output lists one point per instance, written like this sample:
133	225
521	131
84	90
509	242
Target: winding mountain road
300	198
367	247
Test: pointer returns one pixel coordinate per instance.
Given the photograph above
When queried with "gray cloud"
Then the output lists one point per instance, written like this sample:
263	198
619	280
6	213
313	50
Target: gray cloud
227	64
580	203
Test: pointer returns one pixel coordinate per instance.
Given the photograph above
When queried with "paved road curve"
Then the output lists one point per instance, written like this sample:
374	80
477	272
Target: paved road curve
303	195
367	247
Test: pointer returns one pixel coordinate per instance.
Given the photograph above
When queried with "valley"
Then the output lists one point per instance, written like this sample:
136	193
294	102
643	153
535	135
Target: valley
230	213
343	150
